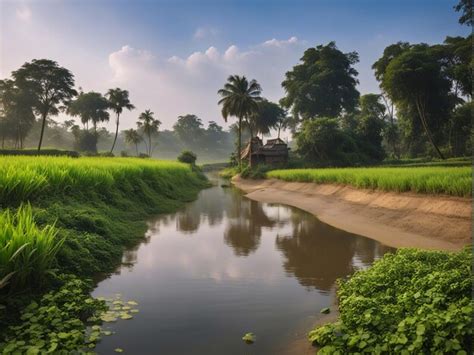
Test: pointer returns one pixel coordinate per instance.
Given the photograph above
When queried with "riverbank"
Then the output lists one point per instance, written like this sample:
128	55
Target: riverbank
94	208
398	220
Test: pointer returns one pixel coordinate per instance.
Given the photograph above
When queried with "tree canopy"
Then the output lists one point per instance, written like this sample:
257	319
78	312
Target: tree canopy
50	86
323	85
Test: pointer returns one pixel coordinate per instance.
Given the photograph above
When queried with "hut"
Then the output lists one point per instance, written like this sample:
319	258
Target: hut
274	152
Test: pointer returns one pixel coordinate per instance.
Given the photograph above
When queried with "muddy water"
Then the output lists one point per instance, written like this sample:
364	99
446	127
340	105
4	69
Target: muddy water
225	265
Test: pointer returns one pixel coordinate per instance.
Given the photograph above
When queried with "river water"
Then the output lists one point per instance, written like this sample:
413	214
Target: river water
225	265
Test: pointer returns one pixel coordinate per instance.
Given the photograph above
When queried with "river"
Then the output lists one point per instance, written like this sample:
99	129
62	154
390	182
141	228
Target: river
225	265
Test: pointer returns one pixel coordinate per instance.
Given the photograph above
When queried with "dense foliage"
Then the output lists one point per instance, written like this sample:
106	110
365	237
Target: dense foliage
187	157
435	180
56	324
409	302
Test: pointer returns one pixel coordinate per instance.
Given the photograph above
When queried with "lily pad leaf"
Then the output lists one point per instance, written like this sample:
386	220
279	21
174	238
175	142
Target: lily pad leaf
118	350
249	338
325	310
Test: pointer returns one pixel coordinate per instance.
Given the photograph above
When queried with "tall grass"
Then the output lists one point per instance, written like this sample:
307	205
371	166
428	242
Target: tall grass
455	181
27	251
29	178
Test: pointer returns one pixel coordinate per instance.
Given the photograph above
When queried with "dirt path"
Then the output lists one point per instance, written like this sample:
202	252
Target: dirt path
394	219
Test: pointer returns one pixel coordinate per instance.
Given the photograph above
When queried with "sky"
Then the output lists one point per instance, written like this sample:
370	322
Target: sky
173	56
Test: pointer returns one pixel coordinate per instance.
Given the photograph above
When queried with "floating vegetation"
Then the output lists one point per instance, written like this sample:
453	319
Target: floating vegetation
249	338
66	320
325	310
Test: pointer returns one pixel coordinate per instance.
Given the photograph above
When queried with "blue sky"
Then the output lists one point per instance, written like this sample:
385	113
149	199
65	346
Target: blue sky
174	55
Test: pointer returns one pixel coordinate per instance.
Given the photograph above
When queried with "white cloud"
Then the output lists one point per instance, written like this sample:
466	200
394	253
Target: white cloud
23	13
175	86
205	32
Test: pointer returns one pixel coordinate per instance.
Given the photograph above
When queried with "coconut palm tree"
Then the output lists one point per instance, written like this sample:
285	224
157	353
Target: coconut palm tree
239	98
150	126
118	100
133	137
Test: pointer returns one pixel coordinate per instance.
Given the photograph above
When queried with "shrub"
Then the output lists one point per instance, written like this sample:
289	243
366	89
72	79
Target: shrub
412	302
187	157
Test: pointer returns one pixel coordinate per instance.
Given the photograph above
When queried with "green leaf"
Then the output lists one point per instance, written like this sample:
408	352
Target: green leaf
249	338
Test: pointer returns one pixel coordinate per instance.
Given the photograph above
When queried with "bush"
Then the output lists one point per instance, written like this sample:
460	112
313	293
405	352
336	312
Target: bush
45	152
412	302
187	157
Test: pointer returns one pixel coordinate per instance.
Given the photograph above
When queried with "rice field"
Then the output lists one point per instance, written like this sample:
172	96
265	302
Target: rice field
455	181
25	178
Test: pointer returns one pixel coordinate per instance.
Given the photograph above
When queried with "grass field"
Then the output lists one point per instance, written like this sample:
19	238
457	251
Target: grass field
28	178
97	205
454	181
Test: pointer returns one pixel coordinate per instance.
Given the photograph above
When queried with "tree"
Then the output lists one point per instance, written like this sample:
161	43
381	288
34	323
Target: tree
189	130
322	142
16	113
323	85
118	100
90	106
187	157
133	137
266	118
239	98
465	7
455	56
150	126
370	125
50	86
415	78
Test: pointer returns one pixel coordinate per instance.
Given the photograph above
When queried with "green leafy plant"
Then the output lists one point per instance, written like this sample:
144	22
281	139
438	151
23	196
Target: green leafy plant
187	157
409	302
249	338
57	322
27	252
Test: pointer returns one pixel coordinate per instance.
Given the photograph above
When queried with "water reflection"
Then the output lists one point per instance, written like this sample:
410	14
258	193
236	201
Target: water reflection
225	265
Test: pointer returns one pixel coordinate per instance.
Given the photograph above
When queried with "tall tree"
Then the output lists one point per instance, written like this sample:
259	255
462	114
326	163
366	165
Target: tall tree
239	98
415	78
17	117
189	129
323	85
50	85
266	118
90	106
150	126
133	137
118	100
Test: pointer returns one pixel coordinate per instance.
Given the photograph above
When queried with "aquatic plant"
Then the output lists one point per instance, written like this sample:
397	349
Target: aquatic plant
27	252
454	181
413	302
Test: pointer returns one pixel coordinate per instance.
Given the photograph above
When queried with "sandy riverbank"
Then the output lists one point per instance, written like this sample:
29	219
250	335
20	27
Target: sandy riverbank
394	219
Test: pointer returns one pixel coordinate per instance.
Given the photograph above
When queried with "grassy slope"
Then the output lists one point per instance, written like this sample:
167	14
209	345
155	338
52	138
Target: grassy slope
99	205
454	181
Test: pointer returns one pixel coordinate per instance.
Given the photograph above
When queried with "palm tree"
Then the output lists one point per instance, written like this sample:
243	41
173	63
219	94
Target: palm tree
133	137
239	98
118	100
150	126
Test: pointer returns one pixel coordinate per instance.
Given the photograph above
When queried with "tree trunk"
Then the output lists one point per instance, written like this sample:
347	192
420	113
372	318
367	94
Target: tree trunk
136	148
149	145
116	133
279	127
43	124
425	126
239	146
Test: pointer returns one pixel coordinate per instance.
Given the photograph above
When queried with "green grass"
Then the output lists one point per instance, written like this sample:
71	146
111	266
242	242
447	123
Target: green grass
27	252
454	181
411	302
76	216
